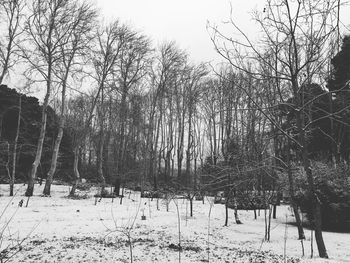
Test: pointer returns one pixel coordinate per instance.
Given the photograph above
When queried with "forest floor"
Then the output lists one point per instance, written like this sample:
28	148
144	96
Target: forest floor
60	229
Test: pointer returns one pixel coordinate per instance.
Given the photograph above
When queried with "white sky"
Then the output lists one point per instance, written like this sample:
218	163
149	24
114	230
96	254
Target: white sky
181	20
185	20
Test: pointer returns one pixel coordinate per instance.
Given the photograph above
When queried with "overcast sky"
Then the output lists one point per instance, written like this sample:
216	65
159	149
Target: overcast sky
181	20
185	20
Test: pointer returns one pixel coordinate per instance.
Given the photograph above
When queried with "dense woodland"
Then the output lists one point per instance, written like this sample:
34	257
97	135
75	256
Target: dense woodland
119	111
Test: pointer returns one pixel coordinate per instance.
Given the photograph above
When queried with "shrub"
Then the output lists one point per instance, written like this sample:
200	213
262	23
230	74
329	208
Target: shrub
333	191
105	194
84	187
78	196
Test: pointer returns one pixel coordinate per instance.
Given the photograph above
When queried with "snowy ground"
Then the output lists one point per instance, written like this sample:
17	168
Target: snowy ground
67	230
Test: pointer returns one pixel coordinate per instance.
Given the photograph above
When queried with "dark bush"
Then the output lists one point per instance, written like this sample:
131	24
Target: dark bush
333	191
84	186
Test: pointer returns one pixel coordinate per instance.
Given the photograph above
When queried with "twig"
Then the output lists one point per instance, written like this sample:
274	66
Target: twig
285	240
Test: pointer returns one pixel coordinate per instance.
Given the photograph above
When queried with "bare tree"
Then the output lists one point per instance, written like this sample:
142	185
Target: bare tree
45	28
110	42
166	70
300	32
73	48
133	65
14	151
11	14
78	121
193	91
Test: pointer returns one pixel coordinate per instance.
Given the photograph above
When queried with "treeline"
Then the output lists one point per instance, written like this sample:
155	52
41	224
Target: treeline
271	118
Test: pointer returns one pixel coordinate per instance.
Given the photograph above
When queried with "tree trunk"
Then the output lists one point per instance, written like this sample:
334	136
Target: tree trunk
32	175
189	146
292	195
154	153
6	62
53	166
238	221
8	161
100	162
191	206
14	153
75	171
122	128
179	164
274	213
180	146
226	211
117	186
215	142
316	207
58	140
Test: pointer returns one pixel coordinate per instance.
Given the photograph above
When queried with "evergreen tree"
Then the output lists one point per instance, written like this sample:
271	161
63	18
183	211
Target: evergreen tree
338	84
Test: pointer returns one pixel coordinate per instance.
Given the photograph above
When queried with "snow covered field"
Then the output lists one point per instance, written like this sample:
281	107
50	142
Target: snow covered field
67	230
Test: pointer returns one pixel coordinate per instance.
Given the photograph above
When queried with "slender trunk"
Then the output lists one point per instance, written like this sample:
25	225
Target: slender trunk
180	148
5	67
39	149
121	152
215	142
2	75
292	195
161	154
117	184
315	202
14	154
269	223
316	208
210	138
79	139
238	221
100	161
181	127
75	171
101	144
154	151
8	161
333	142
226	210
191	206
189	146
170	144
168	165
148	171
56	147
90	152
172	166
195	174
274	213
